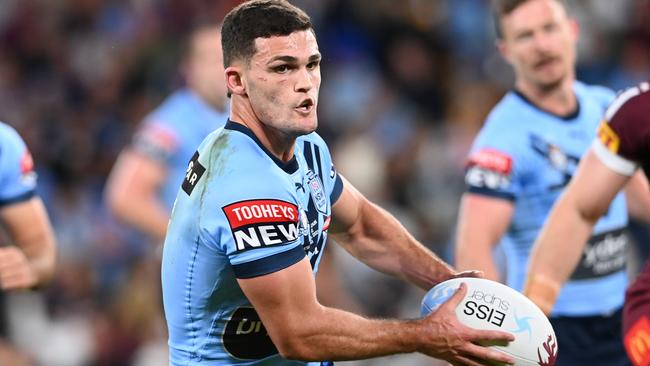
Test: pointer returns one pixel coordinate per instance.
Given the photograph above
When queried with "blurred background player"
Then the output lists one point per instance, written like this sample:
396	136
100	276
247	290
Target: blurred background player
28	251
521	160
620	150
143	183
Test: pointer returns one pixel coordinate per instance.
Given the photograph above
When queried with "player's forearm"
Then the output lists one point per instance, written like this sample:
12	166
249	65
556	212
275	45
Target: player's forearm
380	241
477	258
473	251
560	243
556	253
143	213
337	335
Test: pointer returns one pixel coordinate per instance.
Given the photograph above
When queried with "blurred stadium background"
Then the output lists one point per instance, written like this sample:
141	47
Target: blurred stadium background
406	85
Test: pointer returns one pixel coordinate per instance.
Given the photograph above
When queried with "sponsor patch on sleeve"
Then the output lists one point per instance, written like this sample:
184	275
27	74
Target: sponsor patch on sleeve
608	137
193	173
155	141
262	223
637	342
488	168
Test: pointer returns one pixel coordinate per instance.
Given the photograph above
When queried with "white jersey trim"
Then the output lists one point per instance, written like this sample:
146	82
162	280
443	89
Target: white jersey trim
613	161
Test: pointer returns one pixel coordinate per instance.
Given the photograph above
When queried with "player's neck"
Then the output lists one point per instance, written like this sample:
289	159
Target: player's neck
277	143
560	100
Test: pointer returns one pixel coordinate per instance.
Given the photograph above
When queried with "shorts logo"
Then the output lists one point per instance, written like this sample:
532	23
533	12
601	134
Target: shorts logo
193	173
608	137
317	192
637	342
489	168
261	223
245	337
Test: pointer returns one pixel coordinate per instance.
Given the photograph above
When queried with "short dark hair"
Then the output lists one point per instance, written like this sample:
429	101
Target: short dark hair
258	19
501	8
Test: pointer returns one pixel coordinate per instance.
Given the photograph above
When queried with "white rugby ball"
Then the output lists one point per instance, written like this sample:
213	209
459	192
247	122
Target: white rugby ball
490	305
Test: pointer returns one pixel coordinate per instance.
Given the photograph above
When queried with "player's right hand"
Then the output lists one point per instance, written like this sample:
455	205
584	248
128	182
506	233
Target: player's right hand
447	339
15	270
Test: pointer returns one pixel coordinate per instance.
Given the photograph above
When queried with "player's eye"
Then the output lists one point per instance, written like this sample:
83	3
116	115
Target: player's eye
281	69
312	65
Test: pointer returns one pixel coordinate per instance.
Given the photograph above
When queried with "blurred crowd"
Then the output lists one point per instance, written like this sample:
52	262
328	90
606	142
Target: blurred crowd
406	86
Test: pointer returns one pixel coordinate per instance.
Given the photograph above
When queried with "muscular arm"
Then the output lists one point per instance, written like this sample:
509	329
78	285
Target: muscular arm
30	261
303	329
482	221
558	248
637	197
376	238
132	193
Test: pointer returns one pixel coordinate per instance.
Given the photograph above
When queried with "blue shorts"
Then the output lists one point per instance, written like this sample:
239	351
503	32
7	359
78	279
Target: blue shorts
590	340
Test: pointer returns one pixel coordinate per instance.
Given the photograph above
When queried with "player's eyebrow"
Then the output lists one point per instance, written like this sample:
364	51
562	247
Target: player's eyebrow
291	59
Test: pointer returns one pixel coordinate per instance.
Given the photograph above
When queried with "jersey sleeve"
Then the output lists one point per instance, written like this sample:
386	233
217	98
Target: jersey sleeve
17	176
492	167
156	140
624	132
250	215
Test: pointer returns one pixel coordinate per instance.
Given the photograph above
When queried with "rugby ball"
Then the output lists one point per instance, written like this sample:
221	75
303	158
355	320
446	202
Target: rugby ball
490	305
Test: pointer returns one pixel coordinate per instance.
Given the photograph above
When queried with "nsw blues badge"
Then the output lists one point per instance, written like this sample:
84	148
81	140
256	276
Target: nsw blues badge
317	192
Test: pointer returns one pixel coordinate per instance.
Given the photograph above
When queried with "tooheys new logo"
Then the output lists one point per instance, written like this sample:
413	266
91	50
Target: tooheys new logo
260	223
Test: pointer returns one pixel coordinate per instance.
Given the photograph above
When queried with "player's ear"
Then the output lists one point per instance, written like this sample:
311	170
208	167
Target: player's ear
503	49
234	80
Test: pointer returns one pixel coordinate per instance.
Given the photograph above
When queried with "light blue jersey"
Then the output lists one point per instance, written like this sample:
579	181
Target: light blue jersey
526	155
171	133
241	213
17	177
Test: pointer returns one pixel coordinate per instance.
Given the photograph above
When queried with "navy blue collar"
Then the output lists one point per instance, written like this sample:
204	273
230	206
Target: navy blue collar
289	167
568	117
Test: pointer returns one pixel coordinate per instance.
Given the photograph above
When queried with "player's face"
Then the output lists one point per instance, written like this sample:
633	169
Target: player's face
283	80
205	66
539	40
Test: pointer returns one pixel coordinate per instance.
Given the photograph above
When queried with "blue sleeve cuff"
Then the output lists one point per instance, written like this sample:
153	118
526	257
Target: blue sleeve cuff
337	190
491	193
19	198
269	264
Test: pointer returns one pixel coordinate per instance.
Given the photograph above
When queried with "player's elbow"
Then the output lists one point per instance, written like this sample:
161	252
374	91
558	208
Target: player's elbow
116	201
293	349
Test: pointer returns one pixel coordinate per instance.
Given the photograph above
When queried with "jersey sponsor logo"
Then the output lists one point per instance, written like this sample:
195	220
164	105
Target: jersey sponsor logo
317	192
27	173
245	337
262	223
603	255
488	168
193	173
637	342
608	137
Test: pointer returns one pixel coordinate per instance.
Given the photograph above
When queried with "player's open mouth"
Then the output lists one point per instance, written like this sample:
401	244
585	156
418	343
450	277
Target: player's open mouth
306	106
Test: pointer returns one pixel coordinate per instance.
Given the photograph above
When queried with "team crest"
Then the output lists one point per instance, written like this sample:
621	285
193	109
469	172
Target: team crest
317	192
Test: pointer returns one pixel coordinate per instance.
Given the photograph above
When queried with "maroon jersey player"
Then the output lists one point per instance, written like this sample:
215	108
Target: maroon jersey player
617	160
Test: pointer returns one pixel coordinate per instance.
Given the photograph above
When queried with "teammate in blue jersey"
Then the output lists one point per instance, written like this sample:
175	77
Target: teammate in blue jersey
143	183
28	258
259	199
519	164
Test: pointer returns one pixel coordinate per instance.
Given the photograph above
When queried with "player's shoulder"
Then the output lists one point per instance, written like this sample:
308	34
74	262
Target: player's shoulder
312	138
631	101
601	94
504	124
173	112
9	136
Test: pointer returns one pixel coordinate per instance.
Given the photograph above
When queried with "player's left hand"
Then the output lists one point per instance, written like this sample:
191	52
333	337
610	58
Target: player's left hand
15	270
